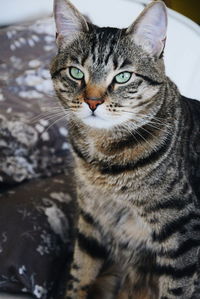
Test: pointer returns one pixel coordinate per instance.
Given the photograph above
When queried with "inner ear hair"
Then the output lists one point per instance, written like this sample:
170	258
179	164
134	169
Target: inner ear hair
87	18
149	29
69	21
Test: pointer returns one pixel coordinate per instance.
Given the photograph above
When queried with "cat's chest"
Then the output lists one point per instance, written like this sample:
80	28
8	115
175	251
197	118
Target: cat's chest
127	228
118	213
118	221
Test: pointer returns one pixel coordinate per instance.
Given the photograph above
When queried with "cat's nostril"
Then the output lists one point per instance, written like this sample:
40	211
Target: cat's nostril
93	103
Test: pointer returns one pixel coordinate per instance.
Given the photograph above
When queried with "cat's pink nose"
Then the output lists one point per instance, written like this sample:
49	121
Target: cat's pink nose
93	103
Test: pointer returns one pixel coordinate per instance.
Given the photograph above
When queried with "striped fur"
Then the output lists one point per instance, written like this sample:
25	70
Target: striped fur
137	160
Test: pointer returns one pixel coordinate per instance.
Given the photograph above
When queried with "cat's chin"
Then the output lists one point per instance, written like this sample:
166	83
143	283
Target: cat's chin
97	122
100	123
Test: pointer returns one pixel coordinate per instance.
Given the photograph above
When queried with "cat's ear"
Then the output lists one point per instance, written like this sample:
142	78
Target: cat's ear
149	29
69	21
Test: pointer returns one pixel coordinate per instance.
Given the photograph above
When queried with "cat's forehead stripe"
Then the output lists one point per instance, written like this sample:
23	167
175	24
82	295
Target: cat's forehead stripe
104	45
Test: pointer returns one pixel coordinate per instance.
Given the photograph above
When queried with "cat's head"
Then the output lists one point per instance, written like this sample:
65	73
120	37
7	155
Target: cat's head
105	77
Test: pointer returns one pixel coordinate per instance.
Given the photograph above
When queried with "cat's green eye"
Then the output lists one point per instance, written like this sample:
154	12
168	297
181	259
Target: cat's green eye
76	73
123	77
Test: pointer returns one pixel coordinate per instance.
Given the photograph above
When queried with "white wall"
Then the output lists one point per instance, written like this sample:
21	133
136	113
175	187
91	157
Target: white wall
14	11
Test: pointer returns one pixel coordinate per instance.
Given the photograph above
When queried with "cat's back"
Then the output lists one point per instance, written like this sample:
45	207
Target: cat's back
192	139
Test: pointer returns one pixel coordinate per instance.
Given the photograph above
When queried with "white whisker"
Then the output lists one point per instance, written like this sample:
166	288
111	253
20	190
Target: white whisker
45	115
55	122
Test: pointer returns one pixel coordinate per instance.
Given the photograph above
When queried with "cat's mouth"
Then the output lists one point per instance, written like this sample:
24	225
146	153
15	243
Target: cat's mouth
93	119
94	115
100	118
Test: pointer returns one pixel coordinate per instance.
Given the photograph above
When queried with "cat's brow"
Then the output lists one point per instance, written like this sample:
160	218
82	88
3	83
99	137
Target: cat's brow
79	61
125	63
74	59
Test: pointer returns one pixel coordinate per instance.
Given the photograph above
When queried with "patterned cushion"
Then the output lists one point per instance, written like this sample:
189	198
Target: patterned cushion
36	188
32	142
35	236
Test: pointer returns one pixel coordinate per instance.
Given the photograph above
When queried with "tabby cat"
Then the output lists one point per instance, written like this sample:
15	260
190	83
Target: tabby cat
136	144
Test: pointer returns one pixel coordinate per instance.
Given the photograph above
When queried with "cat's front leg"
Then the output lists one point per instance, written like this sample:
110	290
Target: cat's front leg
84	270
88	258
